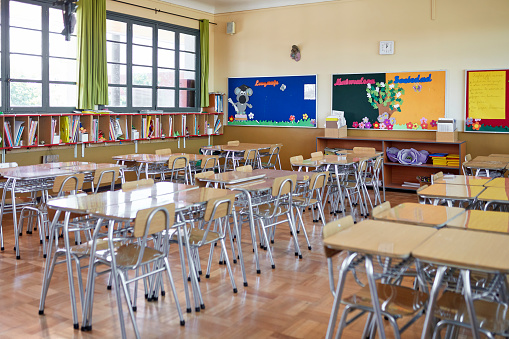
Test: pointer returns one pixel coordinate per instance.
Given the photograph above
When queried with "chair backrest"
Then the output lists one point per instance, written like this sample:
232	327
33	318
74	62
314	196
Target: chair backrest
130	185
106	175
153	220
247	168
250	154
178	161
380	208
334	227
284	185
8	164
68	183
203	175
468	157
219	207
233	143
209	162
437	176
274	149
318	154
163	151
421	188
318	180
296	159
364	150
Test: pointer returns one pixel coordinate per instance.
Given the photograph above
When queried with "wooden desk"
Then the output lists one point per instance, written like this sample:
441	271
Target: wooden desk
451	192
494	195
467	180
449	247
373	237
498	182
420	214
231	150
489	221
233	177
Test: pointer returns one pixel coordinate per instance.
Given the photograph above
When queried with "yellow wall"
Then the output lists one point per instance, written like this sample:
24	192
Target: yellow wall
343	37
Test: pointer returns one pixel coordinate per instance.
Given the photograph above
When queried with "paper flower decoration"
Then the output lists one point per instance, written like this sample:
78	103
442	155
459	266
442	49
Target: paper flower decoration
469	121
304	116
292	117
424	125
251	115
355	124
433	123
361	124
476	125
409	125
376	125
367	125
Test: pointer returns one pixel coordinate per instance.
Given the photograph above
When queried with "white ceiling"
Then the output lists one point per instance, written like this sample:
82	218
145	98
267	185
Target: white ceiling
225	6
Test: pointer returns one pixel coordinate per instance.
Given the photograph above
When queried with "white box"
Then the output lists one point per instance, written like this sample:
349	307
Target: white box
83	137
135	134
56	139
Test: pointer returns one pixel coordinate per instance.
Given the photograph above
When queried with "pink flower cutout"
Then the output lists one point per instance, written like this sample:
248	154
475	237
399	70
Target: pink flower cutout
355	124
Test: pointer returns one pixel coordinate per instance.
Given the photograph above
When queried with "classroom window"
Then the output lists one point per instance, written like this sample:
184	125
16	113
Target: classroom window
151	65
42	64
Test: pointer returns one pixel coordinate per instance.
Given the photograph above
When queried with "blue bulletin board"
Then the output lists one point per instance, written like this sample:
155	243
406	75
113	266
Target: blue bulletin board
278	101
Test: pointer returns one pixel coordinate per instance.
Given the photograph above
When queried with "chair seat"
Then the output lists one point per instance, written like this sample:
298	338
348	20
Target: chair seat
86	248
302	201
267	210
19	200
127	255
196	236
491	316
395	300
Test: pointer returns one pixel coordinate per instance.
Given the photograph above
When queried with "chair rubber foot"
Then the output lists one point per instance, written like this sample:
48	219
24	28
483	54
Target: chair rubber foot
108	287
300	256
272	241
197	309
234	261
149	299
41	312
163	293
258	271
200	272
47	237
2	248
188	278
198	279
220	262
309	248
15	248
29	232
182	322
296	254
331	212
315	220
44	256
273	267
18	257
367	214
188	310
76	326
355	222
40	242
298	232
245	283
234	290
20	234
202	306
207	276
135	308
265	248
146	296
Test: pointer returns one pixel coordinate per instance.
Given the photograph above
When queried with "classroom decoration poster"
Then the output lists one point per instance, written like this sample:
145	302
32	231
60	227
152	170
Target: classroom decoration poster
390	101
278	101
487	101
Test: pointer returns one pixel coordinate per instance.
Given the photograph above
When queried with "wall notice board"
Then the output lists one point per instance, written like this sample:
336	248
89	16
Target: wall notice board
391	101
278	101
487	101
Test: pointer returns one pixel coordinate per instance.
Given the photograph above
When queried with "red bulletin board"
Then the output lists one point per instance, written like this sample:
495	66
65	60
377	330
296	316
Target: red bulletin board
487	101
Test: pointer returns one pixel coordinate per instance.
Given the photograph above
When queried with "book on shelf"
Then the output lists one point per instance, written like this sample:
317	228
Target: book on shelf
7	134
32	132
170	126
18	131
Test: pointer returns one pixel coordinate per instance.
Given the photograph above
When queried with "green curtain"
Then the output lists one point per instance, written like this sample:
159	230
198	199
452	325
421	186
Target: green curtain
92	70
204	48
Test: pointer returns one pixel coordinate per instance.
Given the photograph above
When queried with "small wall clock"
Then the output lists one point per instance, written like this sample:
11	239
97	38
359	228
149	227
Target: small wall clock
386	47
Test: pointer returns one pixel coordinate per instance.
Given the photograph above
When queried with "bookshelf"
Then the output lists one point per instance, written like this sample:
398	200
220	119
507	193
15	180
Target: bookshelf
43	130
215	112
396	174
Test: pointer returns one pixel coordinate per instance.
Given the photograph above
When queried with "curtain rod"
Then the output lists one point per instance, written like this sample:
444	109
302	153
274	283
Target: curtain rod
159	11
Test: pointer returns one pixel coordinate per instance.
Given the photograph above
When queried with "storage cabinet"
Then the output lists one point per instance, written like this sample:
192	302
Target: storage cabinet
215	114
395	174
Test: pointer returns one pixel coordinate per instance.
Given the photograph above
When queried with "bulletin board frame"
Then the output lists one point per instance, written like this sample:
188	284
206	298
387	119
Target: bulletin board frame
273	101
410	101
486	112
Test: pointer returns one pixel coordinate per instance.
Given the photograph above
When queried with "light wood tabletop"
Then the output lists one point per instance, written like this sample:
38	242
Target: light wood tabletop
273	173
484	251
490	221
343	159
462	180
420	214
499	156
498	182
452	191
380	238
486	164
494	194
240	148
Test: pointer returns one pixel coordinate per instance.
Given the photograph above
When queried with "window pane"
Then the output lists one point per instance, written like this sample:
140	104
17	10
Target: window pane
165	58
25	15
26	67
62	95
187	61
142	76
59	47
142	35
62	70
165	98
166	39
117	96
25	94
186	98
117	74
116	52
187	79
142	97
142	55
19	38
116	30
165	77
187	43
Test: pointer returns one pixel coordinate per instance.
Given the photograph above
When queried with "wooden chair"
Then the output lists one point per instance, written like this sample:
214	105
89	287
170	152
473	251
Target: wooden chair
198	176
130	185
105	176
436	176
273	155
294	159
163	151
246	168
380	208
233	143
422	200
177	164
365	150
318	154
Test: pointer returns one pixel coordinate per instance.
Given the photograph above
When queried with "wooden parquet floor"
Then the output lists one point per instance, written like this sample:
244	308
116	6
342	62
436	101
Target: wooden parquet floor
291	301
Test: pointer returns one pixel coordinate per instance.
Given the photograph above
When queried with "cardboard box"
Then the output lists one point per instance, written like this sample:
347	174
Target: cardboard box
447	136
83	137
336	132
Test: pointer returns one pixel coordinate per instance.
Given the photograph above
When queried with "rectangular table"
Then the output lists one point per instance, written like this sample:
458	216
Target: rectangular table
494	195
451	193
467	180
489	221
421	214
230	150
